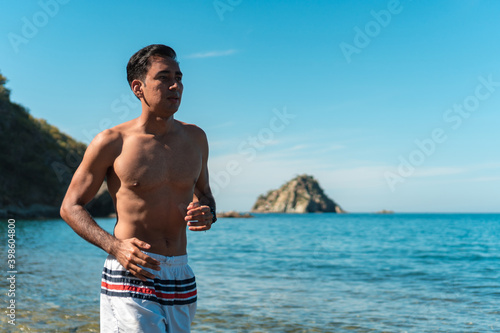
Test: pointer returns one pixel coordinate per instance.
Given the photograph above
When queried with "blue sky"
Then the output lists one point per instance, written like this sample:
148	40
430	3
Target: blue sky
389	104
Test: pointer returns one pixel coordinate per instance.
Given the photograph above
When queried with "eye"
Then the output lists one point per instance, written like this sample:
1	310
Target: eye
179	78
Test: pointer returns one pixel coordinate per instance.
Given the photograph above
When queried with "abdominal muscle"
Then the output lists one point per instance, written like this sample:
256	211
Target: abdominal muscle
155	217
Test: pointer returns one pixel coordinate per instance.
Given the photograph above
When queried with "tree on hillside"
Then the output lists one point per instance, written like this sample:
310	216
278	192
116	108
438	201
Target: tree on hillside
4	92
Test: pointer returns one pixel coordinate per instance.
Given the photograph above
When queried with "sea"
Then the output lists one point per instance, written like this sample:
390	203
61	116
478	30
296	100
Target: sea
282	273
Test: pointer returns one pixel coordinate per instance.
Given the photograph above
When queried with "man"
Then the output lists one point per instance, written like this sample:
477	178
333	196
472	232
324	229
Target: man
156	170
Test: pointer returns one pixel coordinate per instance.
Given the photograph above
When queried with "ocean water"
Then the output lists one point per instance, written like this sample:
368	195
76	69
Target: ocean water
286	273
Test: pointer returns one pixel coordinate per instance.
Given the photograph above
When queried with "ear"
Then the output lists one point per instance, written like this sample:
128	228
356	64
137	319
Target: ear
136	86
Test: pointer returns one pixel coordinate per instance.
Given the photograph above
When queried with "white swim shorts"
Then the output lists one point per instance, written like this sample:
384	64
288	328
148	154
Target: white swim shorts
166	304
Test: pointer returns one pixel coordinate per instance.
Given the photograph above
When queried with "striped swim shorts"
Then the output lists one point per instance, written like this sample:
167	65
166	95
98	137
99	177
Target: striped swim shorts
166	304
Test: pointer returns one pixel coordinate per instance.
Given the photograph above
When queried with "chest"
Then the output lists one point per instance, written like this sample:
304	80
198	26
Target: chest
148	163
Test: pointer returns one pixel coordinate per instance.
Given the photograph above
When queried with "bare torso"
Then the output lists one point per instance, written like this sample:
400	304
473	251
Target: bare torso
157	174
152	182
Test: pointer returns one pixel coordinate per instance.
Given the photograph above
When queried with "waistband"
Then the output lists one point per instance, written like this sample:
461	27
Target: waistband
170	261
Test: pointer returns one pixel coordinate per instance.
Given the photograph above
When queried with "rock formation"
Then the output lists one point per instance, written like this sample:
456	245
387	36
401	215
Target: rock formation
300	195
234	214
102	205
385	211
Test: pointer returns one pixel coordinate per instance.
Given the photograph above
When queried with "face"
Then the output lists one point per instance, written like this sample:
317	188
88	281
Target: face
162	87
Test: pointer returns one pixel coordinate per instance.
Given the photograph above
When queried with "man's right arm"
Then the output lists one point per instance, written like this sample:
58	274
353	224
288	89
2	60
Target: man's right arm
100	156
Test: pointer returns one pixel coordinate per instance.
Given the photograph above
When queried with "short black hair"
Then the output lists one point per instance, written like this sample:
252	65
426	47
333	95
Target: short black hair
139	63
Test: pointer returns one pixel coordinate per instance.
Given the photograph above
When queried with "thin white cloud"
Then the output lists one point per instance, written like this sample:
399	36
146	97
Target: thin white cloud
485	179
332	147
437	171
355	185
297	147
212	54
325	149
222	125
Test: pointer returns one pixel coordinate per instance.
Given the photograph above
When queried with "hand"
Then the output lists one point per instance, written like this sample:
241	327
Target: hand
199	217
129	255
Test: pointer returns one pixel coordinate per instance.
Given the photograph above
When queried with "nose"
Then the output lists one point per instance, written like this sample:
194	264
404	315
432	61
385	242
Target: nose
174	86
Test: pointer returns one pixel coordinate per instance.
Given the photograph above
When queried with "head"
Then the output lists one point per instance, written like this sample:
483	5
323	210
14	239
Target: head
154	76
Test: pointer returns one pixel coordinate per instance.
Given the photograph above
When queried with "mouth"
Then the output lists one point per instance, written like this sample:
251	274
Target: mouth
174	99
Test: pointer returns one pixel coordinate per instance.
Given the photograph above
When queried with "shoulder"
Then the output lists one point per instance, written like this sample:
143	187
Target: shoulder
113	137
107	144
194	131
107	139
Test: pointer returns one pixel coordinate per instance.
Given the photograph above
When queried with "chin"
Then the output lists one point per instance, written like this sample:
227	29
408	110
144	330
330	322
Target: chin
165	113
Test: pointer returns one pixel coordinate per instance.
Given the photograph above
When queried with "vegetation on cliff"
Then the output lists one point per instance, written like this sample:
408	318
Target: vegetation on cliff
37	160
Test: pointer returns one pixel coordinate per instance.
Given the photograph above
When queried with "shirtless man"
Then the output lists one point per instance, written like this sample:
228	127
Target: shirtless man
156	170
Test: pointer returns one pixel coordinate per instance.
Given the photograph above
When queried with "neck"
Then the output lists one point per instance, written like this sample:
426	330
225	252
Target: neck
152	124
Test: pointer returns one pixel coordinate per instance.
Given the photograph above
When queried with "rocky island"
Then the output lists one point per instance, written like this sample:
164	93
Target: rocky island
234	214
300	195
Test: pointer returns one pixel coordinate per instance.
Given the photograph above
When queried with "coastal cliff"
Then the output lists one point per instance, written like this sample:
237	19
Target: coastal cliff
300	195
37	162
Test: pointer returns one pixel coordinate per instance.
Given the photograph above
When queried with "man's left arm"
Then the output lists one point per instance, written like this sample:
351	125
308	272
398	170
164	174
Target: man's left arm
203	209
